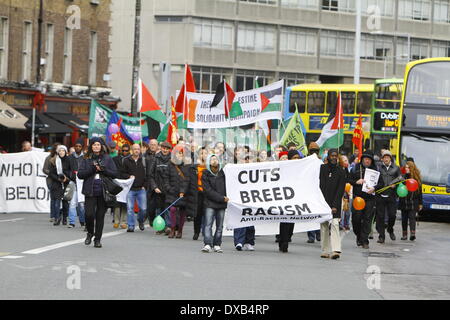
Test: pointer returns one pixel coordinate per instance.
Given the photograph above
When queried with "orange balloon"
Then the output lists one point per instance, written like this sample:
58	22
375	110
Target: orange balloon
348	187
359	203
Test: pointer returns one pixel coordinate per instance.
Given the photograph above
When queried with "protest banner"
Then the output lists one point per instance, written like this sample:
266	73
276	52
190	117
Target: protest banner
23	186
257	105
274	192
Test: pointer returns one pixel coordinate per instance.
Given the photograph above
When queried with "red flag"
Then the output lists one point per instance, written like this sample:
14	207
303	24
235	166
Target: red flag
38	101
172	137
146	100
358	135
188	86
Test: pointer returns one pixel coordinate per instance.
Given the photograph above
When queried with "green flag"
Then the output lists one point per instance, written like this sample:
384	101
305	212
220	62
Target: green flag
294	134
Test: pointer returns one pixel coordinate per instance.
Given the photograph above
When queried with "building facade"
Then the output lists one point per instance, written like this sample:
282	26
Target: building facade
297	40
54	54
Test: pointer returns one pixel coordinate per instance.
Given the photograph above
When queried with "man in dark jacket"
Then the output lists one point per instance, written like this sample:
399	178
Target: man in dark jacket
332	185
135	167
75	160
215	203
362	219
156	174
387	200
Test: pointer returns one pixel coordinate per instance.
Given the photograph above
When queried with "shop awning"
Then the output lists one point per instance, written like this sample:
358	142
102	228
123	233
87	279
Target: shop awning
11	118
70	120
45	124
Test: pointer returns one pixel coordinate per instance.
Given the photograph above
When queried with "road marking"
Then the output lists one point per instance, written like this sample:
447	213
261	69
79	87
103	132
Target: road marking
12	257
12	220
68	243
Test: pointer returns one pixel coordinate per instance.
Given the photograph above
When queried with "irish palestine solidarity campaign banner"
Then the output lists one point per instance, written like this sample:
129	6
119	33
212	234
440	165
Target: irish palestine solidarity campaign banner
23	187
271	192
253	105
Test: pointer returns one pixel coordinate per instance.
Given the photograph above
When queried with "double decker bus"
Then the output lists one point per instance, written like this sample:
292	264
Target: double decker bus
386	102
424	132
315	102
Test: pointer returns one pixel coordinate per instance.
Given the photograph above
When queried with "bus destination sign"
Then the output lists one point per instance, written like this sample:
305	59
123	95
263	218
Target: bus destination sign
433	121
386	122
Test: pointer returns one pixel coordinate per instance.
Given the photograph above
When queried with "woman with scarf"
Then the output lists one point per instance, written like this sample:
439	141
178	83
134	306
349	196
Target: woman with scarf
412	203
332	184
60	175
96	162
176	186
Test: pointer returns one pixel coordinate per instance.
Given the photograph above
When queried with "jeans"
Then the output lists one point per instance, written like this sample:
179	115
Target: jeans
75	208
345	216
382	205
314	235
95	216
212	215
141	197
56	209
244	235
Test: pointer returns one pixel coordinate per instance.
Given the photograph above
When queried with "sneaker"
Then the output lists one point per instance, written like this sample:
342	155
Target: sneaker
207	249
71	226
124	226
218	249
325	255
239	247
141	226
249	247
130	230
116	225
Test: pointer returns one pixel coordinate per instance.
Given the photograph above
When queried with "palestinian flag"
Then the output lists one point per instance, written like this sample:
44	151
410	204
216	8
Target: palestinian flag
147	104
332	135
169	132
188	86
225	93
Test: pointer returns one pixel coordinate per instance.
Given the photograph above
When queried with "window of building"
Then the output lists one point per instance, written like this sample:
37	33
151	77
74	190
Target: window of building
169	18
270	2
49	48
414	9
442	11
316	102
207	79
213	33
339	5
292	79
419	48
3	47
26	50
375	47
93	59
67	55
334	43
256	37
298	41
245	80
385	7
440	49
303	4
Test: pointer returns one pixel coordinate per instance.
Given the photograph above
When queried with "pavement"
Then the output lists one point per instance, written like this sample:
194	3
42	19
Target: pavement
40	261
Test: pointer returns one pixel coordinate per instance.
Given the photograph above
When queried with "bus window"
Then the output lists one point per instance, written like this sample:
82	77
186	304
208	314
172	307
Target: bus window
316	102
348	102
364	102
299	98
331	101
388	96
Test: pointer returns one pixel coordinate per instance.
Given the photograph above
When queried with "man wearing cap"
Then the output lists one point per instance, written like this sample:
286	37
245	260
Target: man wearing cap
387	200
362	219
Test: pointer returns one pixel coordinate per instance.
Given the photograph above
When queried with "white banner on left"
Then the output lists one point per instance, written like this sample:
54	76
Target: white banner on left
23	186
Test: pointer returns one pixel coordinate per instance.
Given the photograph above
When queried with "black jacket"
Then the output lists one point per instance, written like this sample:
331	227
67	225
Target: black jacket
87	172
412	200
136	169
358	173
157	172
214	189
118	161
332	184
388	177
176	181
56	187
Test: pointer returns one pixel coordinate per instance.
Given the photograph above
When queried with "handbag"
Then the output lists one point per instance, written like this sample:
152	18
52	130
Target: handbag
110	199
69	191
110	185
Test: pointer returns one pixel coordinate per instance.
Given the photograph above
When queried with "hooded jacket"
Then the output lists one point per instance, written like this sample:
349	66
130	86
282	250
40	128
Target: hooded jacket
214	187
358	173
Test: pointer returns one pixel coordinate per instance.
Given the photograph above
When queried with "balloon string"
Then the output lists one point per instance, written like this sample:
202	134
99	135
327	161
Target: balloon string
385	188
170	206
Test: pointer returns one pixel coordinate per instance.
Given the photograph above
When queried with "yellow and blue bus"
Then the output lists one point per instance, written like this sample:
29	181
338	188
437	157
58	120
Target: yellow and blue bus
315	102
385	114
424	133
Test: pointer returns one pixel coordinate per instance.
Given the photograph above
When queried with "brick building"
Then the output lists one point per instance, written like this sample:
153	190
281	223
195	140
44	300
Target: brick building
73	69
